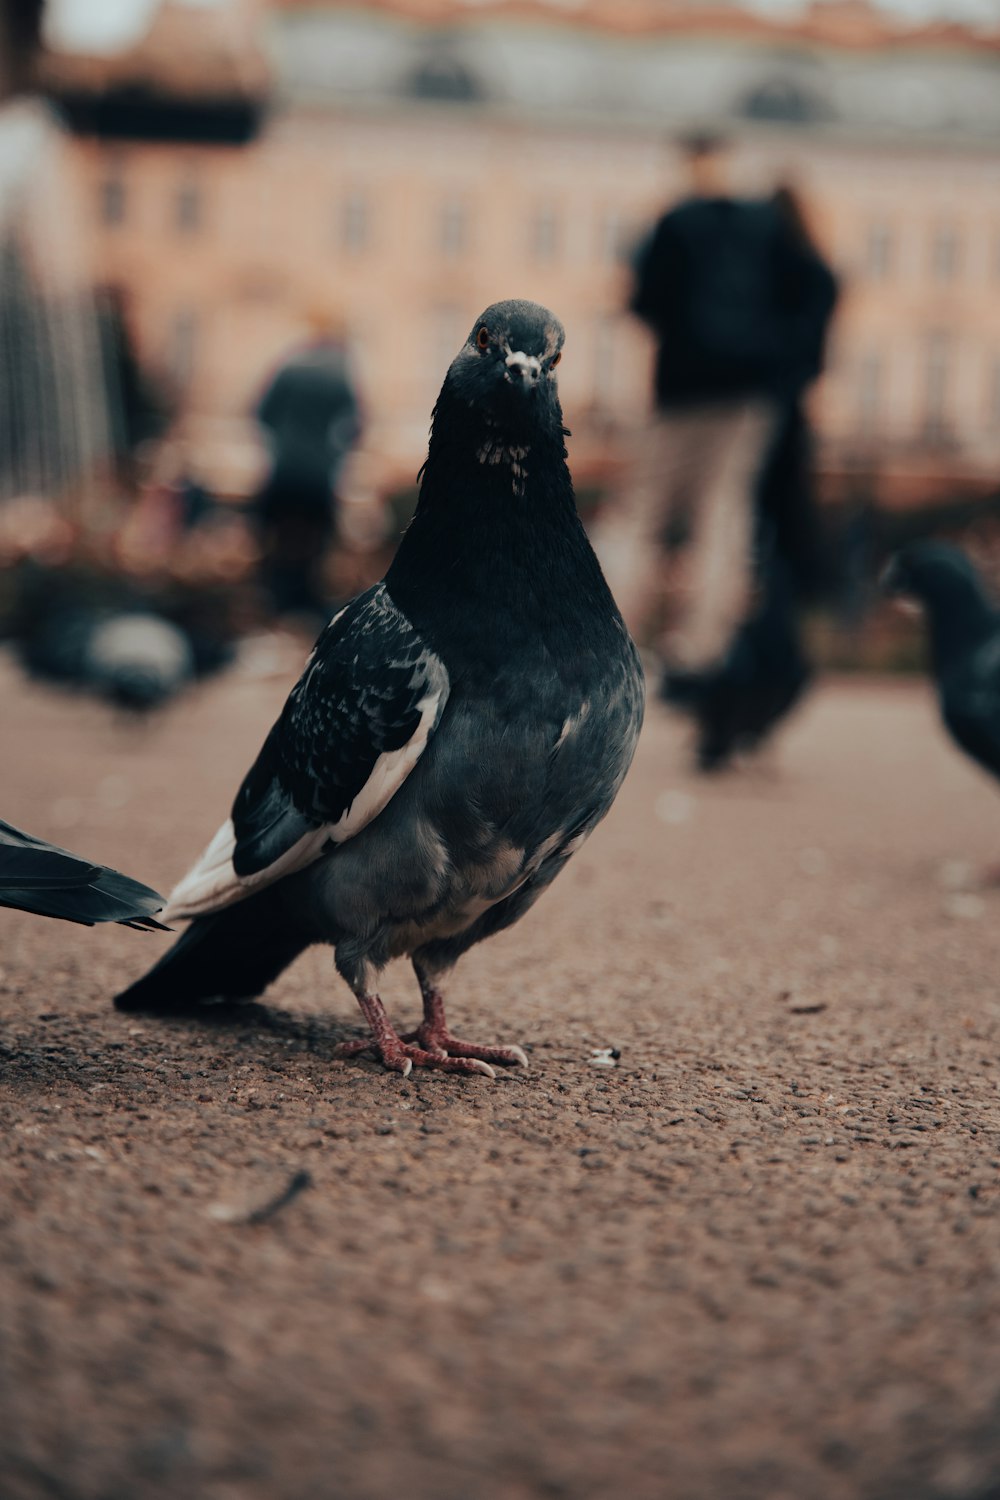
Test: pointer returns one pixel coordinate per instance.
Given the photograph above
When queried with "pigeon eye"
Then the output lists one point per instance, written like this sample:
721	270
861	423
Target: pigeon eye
555	360
483	337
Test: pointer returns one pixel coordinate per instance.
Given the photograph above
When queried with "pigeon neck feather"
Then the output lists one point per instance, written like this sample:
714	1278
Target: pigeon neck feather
497	548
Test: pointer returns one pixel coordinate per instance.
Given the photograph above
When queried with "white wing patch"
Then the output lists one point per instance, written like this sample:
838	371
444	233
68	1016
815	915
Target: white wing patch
387	774
213	883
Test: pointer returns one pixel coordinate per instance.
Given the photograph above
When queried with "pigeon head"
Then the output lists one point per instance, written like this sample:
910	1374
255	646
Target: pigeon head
939	576
505	370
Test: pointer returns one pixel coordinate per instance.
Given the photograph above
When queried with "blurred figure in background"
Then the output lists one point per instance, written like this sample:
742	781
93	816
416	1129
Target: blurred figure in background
735	296
788	526
311	418
738	701
140	407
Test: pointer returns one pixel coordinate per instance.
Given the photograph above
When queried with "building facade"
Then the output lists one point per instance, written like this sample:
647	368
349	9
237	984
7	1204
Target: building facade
422	158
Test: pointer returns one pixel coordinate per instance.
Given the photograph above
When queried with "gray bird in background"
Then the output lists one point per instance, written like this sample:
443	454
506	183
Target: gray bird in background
458	732
137	661
964	627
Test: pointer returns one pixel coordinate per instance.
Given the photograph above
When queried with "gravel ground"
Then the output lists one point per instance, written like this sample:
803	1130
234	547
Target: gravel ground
756	1259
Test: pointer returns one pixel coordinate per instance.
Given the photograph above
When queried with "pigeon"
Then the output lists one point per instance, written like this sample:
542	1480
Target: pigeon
964	626
135	652
762	676
137	661
459	730
41	878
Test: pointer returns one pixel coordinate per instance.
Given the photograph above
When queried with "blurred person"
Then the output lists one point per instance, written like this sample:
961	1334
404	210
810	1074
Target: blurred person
140	407
761	676
311	416
787	513
725	285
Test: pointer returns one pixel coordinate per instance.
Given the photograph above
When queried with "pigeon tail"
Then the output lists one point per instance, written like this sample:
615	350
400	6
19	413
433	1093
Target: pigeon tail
228	955
48	881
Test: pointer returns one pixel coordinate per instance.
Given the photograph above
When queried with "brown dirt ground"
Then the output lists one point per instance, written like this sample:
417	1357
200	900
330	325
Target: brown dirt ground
758	1259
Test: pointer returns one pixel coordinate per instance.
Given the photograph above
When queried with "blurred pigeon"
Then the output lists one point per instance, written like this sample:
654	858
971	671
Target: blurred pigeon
41	878
964	629
95	634
759	680
137	661
458	732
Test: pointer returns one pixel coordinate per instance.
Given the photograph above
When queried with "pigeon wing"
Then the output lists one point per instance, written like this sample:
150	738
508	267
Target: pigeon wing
352	730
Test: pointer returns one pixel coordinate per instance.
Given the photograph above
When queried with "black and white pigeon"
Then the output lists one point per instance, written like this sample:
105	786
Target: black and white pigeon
459	729
964	627
44	879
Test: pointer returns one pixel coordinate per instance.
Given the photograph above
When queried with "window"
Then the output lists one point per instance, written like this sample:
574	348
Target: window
111	194
443	76
355	226
945	253
187	206
544	236
878	257
787	100
454	227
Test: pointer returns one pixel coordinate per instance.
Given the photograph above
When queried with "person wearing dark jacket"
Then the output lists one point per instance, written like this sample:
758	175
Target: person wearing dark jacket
787	513
310	414
737	302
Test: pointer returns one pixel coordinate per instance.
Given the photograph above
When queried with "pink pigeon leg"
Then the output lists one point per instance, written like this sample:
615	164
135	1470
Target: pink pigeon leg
399	1054
433	1033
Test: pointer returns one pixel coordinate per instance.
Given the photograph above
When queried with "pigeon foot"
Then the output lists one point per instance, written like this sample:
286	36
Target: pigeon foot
439	1041
403	1054
433	1033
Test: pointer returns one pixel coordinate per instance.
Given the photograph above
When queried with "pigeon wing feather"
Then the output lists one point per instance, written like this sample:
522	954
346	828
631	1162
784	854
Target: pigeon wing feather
352	730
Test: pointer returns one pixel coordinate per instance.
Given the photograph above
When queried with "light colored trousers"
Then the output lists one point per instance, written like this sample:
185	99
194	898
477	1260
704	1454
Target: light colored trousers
703	462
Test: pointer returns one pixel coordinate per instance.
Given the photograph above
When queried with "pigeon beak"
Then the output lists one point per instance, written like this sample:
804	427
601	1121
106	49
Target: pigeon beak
523	370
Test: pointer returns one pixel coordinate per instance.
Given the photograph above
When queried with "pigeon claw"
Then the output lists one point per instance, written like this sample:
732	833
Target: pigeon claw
430	1046
409	1056
439	1042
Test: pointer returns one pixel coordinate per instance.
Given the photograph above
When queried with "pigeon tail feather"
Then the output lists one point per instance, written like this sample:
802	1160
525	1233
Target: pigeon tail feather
233	954
49	882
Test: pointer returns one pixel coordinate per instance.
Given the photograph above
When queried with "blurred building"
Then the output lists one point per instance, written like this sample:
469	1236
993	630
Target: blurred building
421	158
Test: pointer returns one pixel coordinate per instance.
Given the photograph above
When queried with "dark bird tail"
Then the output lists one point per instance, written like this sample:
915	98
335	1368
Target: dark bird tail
41	878
232	954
